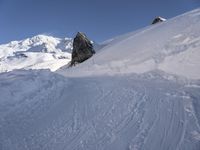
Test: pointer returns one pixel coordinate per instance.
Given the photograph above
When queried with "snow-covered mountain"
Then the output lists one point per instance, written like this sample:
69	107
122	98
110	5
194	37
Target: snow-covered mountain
141	91
172	47
38	52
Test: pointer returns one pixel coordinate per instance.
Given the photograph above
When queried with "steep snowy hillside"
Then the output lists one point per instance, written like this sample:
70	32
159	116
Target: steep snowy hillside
38	52
171	46
139	92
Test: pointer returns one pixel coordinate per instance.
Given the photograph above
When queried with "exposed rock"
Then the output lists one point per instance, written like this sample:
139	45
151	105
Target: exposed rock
82	49
158	19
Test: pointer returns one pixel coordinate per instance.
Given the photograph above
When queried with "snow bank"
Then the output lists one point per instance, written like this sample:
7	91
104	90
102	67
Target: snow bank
172	46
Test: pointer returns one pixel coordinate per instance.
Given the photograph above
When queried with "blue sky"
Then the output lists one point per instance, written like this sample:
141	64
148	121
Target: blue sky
99	19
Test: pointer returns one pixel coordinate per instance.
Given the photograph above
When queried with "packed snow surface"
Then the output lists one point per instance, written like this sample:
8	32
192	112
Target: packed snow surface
139	92
38	52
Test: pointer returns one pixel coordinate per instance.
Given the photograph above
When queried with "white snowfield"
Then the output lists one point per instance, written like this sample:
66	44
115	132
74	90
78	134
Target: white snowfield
38	52
140	92
172	46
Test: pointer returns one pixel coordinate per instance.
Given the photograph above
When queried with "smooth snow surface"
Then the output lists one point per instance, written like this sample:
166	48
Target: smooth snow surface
172	46
38	52
139	92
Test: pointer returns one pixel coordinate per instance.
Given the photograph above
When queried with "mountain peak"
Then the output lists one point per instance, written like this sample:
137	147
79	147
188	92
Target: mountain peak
40	51
40	39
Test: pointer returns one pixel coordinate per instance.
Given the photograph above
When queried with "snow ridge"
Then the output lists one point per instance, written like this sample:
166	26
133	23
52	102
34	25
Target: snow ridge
171	46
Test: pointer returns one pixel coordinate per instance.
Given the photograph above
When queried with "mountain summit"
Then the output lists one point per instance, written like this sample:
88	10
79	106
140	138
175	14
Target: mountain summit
38	52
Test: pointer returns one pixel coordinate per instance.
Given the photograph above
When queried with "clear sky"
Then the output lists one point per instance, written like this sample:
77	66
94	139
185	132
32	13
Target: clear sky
99	19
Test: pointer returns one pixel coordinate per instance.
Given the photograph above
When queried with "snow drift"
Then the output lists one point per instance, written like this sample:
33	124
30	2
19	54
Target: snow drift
171	46
141	91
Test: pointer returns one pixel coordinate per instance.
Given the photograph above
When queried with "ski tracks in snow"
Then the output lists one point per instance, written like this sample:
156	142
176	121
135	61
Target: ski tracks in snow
123	112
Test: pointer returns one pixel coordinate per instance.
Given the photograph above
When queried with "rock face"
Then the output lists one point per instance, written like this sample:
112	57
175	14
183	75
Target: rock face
82	49
158	19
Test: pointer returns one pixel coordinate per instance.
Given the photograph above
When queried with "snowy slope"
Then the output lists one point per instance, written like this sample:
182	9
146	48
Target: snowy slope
171	46
140	92
38	52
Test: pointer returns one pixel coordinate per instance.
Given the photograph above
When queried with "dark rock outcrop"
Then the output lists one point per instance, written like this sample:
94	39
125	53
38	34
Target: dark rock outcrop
82	49
158	19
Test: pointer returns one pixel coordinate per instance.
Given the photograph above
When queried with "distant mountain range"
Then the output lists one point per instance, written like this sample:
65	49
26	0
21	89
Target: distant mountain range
38	52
